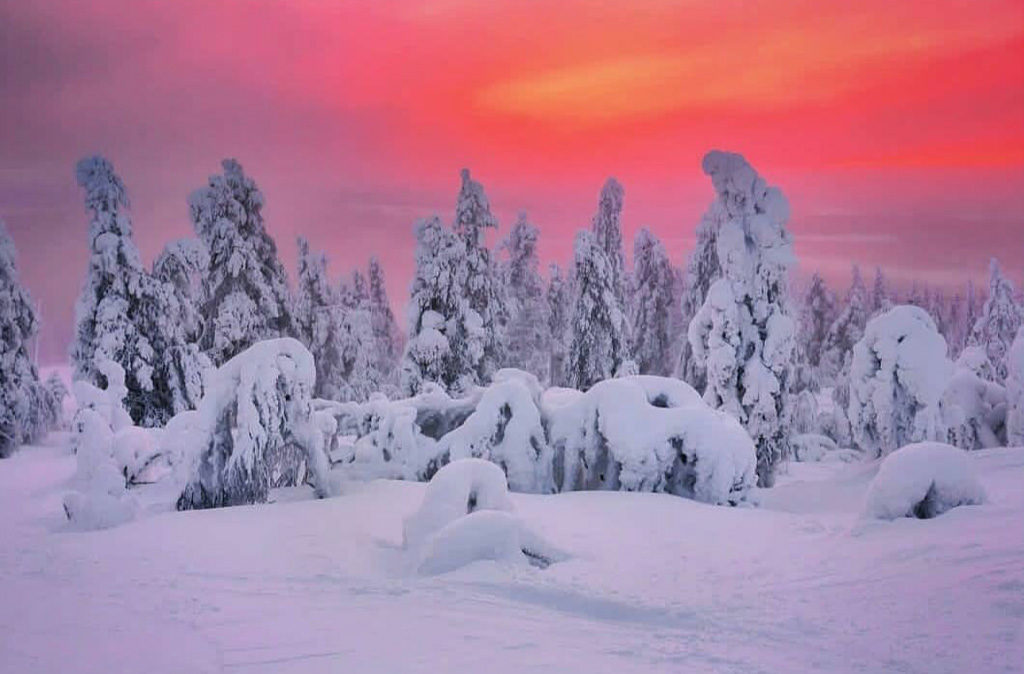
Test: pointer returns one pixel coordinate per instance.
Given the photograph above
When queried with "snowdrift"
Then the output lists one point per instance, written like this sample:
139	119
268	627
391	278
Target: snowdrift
923	480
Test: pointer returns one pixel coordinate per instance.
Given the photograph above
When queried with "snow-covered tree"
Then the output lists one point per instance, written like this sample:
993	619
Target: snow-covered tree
607	228
743	333
702	269
880	297
245	292
339	337
652	300
1015	392
559	298
256	414
26	407
819	313
998	323
597	344
115	310
386	336
898	376
529	346
445	335
847	329
481	287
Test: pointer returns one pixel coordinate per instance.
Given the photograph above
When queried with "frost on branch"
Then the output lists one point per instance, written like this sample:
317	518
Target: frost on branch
255	418
898	375
923	480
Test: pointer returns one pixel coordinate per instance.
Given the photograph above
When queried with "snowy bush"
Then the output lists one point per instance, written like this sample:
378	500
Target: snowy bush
974	410
506	428
898	375
923	480
465	517
647	434
1015	392
100	498
254	418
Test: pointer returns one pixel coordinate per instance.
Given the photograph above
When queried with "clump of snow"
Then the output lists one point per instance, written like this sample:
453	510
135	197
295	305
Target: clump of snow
459	488
622	434
923	480
107	402
898	376
466	516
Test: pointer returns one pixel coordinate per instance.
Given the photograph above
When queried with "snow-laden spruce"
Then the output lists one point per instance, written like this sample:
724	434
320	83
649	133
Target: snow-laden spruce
387	338
245	291
818	315
255	419
598	343
845	331
644	433
559	297
528	334
466	516
974	408
743	333
923	480
27	408
652	298
898	376
606	227
702	269
998	323
1015	392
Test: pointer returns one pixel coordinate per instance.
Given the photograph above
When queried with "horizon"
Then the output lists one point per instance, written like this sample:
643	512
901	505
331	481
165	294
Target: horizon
893	134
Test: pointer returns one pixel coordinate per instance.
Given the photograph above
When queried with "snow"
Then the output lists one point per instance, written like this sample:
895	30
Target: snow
651	583
923	480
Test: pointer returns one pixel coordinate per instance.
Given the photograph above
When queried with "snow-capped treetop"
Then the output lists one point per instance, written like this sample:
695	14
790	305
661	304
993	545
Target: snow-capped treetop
246	296
105	197
607	229
999	321
472	211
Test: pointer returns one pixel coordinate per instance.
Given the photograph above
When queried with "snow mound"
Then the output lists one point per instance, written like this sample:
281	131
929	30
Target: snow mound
485	535
923	480
458	489
100	498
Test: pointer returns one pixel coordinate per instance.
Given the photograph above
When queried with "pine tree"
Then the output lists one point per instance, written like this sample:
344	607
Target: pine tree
597	346
559	297
702	269
445	335
880	300
819	312
26	407
744	333
652	299
111	312
481	288
607	229
528	333
245	293
846	330
386	336
998	323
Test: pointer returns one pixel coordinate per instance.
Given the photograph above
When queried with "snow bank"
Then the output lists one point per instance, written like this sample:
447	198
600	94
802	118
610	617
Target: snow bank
923	480
627	434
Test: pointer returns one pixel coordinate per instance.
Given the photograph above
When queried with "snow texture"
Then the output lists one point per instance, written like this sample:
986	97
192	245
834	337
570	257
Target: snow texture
923	480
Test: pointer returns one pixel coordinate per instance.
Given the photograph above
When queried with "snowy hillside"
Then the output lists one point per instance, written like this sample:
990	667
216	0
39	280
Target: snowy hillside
652	583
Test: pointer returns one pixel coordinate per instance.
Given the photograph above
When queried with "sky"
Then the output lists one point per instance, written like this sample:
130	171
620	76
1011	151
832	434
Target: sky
895	128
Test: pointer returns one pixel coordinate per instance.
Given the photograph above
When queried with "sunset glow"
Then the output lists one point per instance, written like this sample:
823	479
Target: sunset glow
874	117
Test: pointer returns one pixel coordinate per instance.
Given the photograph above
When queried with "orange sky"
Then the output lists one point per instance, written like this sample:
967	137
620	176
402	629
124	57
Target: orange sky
896	128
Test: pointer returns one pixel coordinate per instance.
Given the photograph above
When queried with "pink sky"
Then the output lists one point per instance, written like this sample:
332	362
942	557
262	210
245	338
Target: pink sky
895	128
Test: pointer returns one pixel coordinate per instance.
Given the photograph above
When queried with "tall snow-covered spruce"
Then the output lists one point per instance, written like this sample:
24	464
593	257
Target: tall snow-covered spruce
743	333
998	323
598	346
245	293
559	297
386	336
607	230
26	407
652	298
529	341
481	289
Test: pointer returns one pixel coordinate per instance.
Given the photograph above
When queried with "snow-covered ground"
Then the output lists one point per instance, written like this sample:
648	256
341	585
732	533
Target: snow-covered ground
654	583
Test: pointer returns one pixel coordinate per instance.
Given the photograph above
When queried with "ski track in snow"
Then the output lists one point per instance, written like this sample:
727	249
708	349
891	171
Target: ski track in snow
654	583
